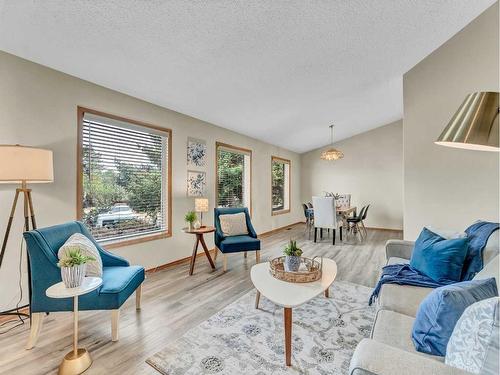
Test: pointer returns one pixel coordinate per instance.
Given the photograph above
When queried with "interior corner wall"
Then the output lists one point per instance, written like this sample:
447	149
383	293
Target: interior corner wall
371	171
447	187
38	107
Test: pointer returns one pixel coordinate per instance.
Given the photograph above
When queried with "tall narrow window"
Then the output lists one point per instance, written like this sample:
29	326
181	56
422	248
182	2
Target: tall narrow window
280	185
123	178
233	185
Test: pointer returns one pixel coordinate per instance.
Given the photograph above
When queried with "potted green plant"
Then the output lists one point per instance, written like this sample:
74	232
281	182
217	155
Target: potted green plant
73	265
190	219
292	256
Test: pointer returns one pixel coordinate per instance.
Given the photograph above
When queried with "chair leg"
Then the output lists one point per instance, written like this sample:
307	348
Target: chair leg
340	233
364	228
36	327
315	233
320	233
257	257
138	295
334	235
224	262
245	254
216	251
115	320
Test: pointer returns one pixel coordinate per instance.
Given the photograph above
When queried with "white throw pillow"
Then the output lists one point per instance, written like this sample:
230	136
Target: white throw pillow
87	247
473	345
233	224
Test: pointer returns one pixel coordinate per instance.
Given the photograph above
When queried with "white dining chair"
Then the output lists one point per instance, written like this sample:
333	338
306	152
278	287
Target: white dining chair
325	217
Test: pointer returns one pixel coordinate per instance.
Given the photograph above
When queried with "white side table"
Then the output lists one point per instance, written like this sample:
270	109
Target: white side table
78	360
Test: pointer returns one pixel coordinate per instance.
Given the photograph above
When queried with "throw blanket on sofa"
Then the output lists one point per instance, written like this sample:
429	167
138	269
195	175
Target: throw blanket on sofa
403	274
478	234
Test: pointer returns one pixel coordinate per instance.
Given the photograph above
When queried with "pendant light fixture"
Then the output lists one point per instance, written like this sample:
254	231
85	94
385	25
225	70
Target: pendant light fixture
332	153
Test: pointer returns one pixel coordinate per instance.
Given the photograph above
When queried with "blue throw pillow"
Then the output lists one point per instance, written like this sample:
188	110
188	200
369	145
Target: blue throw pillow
438	258
440	310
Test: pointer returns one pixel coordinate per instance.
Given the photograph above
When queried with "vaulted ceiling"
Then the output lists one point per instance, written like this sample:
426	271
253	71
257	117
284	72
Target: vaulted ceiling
279	71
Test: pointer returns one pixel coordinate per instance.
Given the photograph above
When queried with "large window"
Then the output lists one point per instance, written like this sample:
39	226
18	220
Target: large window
280	185
233	176
123	178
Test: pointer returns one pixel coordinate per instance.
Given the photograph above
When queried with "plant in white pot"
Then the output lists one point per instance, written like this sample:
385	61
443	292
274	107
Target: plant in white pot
190	219
73	265
292	256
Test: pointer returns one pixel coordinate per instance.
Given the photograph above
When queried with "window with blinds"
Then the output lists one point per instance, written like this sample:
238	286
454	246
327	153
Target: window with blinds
124	173
233	176
280	185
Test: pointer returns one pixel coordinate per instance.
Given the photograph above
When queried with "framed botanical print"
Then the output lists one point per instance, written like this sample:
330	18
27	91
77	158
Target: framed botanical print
196	153
196	183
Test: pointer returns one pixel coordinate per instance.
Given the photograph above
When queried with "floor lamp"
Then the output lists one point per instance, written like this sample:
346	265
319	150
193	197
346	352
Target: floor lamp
22	165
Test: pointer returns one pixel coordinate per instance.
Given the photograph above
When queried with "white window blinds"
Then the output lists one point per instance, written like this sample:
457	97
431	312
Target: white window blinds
124	170
233	176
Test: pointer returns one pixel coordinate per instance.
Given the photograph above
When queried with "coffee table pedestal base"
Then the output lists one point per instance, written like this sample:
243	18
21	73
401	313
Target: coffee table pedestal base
75	364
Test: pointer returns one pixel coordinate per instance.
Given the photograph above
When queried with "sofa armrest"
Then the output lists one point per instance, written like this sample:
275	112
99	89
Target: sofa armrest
372	357
399	249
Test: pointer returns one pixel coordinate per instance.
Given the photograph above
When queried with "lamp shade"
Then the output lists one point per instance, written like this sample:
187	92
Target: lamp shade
201	204
475	124
23	163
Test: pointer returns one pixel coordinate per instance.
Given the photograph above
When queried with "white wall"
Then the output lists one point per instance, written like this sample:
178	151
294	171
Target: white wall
371	170
38	107
447	187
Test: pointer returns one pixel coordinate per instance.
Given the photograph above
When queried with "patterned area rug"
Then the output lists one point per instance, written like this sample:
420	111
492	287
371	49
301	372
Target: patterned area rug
242	340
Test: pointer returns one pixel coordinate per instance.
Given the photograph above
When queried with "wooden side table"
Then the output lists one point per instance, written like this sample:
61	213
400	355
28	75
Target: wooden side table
78	360
199	239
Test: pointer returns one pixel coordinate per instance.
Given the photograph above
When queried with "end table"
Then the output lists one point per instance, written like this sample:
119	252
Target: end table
77	360
199	238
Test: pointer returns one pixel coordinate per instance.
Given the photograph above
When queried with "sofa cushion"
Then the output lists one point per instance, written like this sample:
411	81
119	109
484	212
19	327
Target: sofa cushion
394	329
491	269
404	299
492	247
239	243
441	309
473	345
440	259
396	260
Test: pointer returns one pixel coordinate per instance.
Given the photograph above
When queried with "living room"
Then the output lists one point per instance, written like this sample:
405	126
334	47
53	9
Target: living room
159	125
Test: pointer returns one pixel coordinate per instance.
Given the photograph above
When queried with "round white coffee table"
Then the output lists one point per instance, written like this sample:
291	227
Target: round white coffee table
78	360
290	295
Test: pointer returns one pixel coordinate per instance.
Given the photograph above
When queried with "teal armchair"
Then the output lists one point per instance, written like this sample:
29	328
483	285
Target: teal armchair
120	279
235	244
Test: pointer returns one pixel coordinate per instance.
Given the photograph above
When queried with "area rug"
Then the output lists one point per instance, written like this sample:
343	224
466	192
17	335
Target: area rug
243	340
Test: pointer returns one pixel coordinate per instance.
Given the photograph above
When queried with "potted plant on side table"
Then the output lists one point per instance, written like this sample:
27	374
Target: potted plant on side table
73	265
190	219
292	256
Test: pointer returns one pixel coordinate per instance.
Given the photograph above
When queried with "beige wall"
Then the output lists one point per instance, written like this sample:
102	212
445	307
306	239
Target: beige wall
447	187
38	107
371	170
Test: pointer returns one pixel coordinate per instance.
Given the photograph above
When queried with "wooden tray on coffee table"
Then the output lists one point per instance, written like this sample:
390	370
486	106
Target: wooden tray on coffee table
310	270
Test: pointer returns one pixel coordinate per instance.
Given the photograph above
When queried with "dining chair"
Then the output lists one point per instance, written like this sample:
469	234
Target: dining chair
355	222
309	218
325	217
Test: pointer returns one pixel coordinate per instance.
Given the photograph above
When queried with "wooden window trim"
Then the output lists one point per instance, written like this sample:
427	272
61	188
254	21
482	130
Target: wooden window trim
79	180
237	149
284	161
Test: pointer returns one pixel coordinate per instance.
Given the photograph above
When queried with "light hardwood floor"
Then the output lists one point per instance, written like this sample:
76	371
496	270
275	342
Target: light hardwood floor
173	302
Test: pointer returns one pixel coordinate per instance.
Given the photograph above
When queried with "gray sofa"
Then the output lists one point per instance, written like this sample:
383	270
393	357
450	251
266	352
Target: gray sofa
390	350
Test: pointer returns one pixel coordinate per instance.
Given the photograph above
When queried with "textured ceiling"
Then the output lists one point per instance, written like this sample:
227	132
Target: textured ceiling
279	71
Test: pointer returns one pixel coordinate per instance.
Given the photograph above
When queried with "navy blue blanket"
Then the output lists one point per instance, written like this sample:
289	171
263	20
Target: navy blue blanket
403	274
478	234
